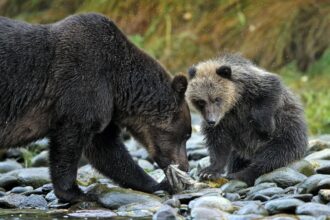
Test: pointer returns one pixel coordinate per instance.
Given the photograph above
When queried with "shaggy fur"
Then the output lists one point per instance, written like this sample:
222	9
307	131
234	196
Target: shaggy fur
253	123
78	82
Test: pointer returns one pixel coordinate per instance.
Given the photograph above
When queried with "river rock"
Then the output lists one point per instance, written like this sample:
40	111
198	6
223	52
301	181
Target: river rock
324	169
202	163
197	154
115	197
232	196
173	202
157	175
34	201
21	189
87	174
282	205
208	214
40	160
318	144
325	194
312	183
9	165
11	201
7	182
261	186
302	197
283	177
266	192
146	165
313	209
233	186
319	155
99	213
303	166
186	197
252	208
34	177
50	196
144	208
166	212
214	202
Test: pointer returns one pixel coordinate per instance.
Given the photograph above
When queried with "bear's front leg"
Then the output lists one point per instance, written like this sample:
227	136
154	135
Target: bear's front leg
66	144
109	156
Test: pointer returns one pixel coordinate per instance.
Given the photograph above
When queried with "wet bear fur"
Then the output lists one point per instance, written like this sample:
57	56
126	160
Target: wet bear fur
79	82
253	123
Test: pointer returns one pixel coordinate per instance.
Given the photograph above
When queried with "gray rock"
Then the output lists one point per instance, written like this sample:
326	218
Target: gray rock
173	202
34	177
252	208
204	162
245	217
47	187
266	192
140	154
197	154
58	205
139	207
311	184
136	214
317	199
319	155
324	169
283	177
40	160
318	144
213	202
9	165
157	174
50	196
325	194
7	182
232	196
21	189
11	201
166	213
205	213
303	166
87	174
261	186
99	213
146	165
302	197
233	186
115	197
282	205
313	209
186	197
34	201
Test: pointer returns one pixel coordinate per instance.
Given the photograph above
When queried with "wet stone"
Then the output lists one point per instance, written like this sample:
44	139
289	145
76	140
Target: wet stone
318	144
324	169
8	182
252	208
325	194
47	187
233	186
208	214
302	197
232	196
214	202
244	217
9	165
11	200
147	207
313	209
303	166
50	196
99	213
40	160
166	212
197	154
283	177
261	186
175	203
157	174
283	205
259	197
319	155
267	192
34	201
186	197
313	183
21	189
145	165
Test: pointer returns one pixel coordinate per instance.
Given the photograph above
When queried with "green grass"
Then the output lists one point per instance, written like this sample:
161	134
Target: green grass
314	89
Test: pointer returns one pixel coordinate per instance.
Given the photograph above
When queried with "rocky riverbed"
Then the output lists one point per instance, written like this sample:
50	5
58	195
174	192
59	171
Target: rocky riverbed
298	191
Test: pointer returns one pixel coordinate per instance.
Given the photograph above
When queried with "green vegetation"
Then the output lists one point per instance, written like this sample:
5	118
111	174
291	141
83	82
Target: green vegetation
287	37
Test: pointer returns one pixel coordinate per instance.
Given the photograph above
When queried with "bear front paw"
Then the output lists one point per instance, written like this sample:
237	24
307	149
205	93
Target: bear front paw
210	173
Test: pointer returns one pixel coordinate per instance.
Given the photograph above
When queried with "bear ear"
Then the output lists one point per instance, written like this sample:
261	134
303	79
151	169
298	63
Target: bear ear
224	71
192	72
179	84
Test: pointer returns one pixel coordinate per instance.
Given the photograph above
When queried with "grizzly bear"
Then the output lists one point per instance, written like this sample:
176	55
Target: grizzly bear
253	123
79	82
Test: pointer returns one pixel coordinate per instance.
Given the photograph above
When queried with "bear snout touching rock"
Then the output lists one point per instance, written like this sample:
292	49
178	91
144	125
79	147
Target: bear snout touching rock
252	123
79	82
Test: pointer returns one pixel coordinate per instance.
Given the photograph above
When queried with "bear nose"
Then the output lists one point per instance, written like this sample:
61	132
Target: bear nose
211	123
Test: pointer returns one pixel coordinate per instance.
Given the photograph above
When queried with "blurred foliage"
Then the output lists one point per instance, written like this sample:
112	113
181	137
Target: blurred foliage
291	37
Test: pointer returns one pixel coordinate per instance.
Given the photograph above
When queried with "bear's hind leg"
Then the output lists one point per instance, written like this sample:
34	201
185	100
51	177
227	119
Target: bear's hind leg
66	144
236	162
109	156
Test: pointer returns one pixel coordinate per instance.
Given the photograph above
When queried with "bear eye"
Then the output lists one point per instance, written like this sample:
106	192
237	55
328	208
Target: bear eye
200	103
217	101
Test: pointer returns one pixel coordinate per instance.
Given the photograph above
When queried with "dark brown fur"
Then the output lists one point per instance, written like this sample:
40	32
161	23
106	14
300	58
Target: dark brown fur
253	123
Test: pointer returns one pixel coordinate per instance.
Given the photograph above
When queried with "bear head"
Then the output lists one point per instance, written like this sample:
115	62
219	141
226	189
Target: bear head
213	90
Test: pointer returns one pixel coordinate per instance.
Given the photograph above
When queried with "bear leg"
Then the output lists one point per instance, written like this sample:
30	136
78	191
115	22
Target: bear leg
109	156
66	145
236	162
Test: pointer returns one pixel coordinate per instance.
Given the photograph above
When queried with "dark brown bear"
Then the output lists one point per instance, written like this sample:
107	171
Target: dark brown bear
78	82
253	123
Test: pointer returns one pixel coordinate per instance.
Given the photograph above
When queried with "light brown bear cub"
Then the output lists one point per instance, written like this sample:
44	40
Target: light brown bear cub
253	123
